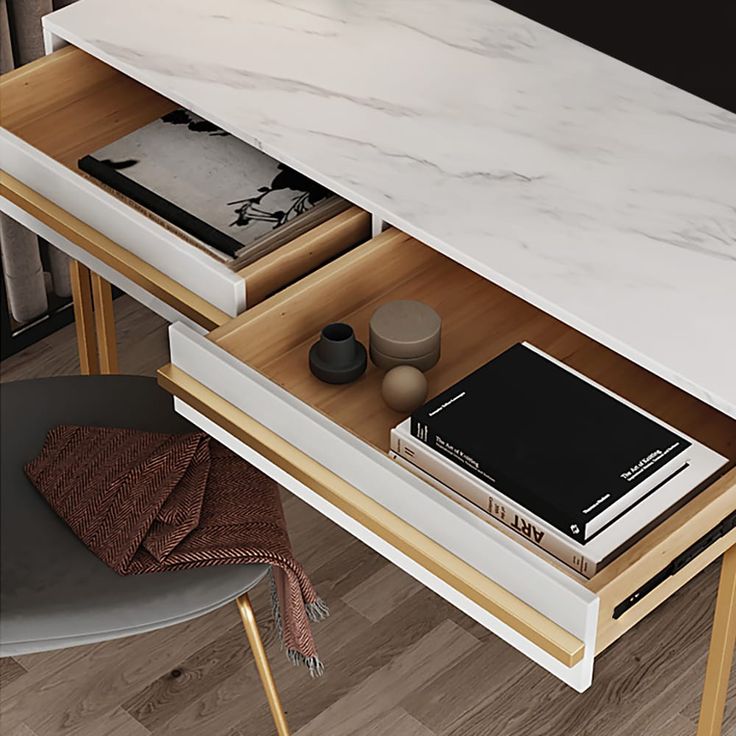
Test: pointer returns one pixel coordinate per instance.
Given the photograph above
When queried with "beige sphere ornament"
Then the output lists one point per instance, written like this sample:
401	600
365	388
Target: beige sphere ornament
404	388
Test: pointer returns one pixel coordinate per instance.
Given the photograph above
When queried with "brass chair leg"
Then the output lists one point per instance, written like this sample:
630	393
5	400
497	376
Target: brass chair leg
262	665
720	654
84	318
105	324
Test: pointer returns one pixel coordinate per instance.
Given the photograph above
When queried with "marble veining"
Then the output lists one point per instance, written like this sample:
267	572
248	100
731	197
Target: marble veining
593	190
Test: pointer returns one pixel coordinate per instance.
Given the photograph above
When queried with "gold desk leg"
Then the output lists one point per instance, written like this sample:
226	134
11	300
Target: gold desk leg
105	323
720	654
264	669
84	318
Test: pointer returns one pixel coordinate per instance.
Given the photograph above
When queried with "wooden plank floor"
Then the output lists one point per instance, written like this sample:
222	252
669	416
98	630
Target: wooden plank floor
400	661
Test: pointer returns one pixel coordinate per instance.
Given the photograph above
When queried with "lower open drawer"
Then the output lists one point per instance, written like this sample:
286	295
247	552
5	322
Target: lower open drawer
248	384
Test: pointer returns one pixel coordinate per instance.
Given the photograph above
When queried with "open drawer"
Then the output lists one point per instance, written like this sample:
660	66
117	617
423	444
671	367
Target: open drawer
69	104
248	384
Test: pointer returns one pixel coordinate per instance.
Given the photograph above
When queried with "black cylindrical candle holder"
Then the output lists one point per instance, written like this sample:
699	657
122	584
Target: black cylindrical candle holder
337	357
336	344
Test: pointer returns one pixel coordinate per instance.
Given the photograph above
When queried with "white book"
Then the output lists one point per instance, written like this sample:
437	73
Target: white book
588	558
545	543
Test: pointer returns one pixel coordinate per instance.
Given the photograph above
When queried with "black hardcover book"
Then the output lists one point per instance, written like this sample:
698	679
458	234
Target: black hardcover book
559	445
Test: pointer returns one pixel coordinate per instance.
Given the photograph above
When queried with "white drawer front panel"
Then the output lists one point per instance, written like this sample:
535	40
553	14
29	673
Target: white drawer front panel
131	229
79	254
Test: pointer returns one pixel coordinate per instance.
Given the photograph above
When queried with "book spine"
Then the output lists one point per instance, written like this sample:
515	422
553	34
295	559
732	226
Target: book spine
422	431
492	509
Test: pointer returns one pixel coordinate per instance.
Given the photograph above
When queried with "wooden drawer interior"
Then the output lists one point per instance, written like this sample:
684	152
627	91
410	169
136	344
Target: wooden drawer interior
69	104
480	320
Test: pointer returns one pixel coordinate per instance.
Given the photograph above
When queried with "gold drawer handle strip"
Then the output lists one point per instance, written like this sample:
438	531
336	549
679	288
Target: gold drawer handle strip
490	596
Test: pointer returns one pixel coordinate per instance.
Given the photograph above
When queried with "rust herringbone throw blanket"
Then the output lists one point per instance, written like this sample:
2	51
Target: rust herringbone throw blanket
146	502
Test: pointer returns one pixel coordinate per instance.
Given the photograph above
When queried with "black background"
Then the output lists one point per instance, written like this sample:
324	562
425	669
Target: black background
689	44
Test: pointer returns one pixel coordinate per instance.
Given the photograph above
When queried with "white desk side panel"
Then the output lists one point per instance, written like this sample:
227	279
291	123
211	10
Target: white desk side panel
516	569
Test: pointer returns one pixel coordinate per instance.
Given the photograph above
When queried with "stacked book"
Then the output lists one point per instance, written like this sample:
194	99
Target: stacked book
562	462
211	188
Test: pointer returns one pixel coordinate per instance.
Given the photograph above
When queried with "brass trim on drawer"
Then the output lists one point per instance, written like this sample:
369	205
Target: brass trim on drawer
490	596
113	255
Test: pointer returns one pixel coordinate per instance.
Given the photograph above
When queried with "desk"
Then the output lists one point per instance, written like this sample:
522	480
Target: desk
526	182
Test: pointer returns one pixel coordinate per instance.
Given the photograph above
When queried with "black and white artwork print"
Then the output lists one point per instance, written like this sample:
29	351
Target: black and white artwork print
210	175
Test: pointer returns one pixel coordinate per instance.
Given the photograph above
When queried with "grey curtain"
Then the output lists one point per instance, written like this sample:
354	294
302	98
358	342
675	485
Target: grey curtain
27	284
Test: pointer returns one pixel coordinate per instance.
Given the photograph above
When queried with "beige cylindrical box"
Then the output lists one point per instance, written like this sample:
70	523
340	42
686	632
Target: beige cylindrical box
405	332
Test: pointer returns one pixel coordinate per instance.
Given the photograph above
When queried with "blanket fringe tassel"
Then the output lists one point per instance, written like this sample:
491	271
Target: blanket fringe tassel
317	611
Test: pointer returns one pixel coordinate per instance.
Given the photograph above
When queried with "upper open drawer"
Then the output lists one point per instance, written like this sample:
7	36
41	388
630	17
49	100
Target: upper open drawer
251	378
69	104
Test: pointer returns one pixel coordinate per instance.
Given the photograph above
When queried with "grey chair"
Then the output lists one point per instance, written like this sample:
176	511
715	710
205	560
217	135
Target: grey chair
54	592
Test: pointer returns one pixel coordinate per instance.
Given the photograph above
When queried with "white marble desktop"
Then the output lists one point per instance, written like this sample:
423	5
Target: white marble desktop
600	194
